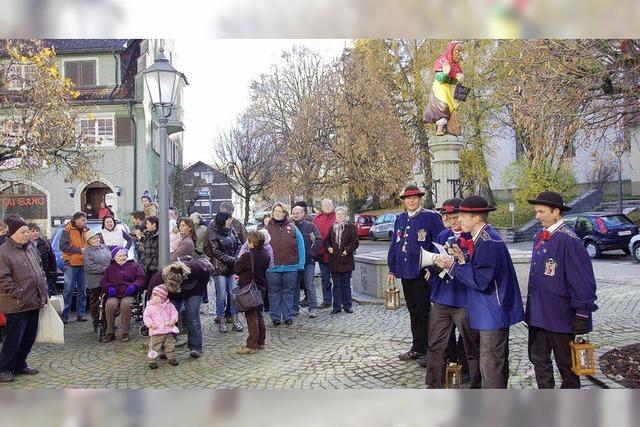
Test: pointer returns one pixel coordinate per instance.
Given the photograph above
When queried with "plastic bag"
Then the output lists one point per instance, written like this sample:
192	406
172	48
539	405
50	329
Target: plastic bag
50	326
58	303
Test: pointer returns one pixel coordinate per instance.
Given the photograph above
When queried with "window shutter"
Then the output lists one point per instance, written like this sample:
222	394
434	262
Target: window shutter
72	71
88	73
124	131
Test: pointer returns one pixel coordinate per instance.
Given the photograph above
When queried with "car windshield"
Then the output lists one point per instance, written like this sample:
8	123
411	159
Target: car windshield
615	220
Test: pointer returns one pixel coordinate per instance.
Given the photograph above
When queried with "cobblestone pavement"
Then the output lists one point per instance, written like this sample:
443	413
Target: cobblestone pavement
332	351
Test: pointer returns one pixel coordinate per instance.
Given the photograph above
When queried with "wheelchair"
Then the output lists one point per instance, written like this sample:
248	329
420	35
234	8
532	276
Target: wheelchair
136	314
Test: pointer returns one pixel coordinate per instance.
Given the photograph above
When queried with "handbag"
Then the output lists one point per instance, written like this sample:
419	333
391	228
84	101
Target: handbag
247	297
50	326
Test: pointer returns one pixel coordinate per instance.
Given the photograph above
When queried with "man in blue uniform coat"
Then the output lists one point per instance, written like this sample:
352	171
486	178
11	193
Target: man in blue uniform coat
414	229
449	309
561	295
493	295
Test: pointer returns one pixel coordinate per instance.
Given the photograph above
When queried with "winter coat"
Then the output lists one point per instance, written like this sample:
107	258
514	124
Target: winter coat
267	247
241	232
104	212
194	284
72	240
221	246
96	261
121	276
242	268
312	240
339	263
23	285
284	243
185	247
149	250
156	317
201	230
48	258
324	222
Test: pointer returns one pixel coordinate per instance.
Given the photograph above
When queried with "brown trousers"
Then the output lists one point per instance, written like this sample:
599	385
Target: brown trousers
94	304
125	304
166	340
255	325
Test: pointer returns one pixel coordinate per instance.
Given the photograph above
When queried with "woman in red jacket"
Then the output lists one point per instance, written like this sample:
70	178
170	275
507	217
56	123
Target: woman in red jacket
121	282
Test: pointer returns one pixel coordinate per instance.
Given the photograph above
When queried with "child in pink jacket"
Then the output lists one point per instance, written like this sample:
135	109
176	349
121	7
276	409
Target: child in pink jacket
160	316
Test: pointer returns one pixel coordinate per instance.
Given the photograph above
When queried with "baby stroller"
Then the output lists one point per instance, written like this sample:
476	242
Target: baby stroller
136	314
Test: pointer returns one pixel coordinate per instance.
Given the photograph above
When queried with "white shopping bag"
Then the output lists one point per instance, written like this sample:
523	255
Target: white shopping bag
57	302
50	326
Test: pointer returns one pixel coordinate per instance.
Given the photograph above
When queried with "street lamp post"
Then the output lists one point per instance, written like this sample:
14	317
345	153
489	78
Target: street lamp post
163	82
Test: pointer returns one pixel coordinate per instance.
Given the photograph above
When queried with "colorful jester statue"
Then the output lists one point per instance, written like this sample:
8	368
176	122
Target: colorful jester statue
444	97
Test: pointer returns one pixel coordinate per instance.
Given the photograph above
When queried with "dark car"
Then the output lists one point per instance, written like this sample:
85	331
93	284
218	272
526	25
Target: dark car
92	224
602	231
364	222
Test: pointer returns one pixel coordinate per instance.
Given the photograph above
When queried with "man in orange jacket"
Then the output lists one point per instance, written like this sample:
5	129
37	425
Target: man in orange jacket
73	242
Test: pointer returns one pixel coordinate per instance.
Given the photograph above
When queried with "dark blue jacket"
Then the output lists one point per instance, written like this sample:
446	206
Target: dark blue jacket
561	282
448	291
412	234
312	240
493	295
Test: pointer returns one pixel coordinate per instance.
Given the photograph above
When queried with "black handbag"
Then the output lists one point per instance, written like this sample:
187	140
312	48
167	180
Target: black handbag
247	297
461	92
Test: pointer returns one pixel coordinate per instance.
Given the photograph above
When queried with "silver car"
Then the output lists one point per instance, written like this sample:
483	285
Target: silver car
383	227
634	247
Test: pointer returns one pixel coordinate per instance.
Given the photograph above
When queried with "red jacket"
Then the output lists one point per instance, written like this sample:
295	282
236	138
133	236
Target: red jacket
3	321
324	222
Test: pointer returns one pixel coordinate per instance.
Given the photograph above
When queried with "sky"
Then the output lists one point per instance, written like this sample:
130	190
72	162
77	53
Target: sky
219	72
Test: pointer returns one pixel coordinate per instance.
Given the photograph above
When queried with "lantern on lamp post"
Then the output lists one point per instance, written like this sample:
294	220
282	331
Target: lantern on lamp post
163	83
453	376
583	358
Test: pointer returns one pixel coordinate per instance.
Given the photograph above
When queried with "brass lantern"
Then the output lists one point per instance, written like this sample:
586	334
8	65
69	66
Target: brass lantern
453	376
583	359
392	298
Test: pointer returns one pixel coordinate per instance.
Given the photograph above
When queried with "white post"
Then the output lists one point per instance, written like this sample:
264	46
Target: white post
445	164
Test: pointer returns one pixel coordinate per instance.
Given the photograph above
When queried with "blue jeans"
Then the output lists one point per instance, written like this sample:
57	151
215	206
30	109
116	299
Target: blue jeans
341	290
224	284
325	273
281	286
74	277
308	276
191	319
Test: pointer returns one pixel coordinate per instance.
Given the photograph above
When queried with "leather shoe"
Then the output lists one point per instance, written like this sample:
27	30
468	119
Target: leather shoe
108	338
348	310
7	377
81	319
423	361
334	311
28	371
410	355
288	322
324	305
276	323
125	337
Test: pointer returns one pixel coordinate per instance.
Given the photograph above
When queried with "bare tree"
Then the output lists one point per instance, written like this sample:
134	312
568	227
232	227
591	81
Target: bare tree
183	191
245	155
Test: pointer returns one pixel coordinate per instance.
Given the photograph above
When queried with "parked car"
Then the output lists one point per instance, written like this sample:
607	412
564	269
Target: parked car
92	224
364	223
634	247
382	228
602	232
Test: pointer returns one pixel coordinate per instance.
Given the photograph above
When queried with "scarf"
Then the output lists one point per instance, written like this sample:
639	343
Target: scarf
338	229
448	55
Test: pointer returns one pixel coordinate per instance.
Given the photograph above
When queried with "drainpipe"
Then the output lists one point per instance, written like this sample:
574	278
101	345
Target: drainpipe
135	156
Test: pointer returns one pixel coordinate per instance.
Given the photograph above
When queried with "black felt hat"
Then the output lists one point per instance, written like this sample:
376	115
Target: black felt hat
551	199
475	204
450	206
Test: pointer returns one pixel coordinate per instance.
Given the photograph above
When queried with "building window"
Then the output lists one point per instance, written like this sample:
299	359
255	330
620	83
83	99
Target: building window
204	189
207	177
82	73
99	129
204	203
196	174
19	76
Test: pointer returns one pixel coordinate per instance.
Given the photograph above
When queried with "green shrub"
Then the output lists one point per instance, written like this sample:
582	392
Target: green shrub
529	180
501	217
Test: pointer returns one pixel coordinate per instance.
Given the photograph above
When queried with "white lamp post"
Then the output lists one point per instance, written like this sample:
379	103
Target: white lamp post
163	82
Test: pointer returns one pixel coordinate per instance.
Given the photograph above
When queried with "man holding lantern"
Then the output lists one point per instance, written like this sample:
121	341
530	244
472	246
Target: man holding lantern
561	294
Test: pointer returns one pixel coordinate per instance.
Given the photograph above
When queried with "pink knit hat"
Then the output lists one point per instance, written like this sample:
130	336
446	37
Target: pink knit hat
161	291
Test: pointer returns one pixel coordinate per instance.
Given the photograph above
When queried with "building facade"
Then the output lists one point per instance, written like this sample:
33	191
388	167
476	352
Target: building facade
116	110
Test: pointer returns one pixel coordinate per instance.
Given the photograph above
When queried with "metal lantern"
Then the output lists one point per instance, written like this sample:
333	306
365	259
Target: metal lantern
453	376
583	357
393	298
